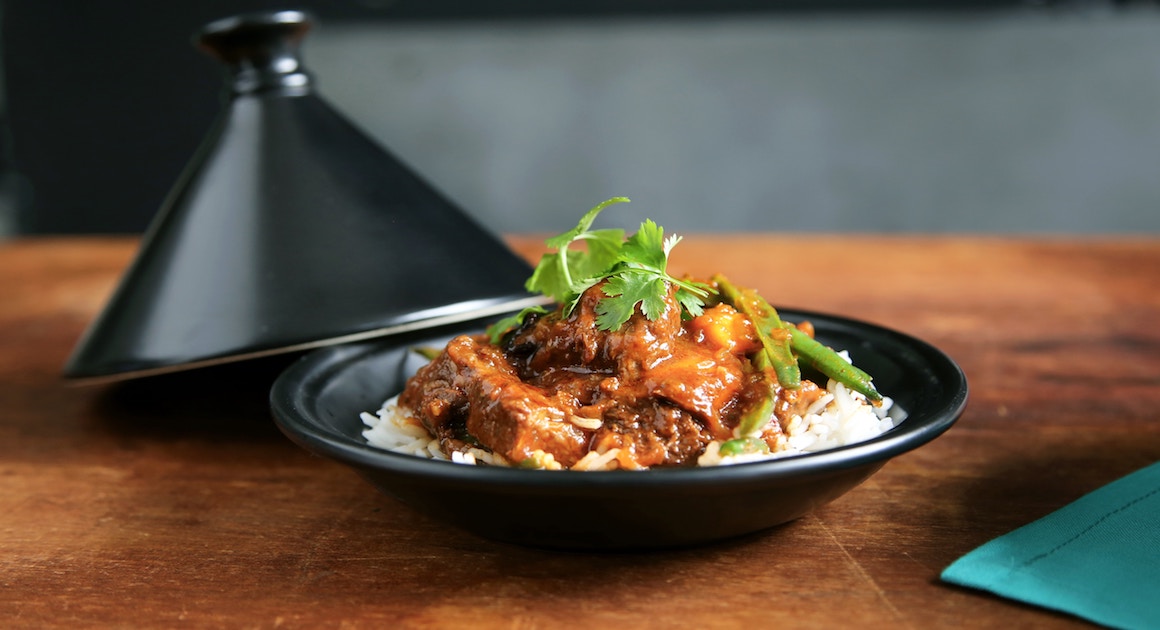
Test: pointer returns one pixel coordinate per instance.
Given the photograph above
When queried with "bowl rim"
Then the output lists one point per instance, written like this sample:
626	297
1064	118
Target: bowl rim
290	407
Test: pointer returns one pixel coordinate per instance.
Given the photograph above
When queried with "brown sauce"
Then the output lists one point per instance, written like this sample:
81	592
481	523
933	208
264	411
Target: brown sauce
658	391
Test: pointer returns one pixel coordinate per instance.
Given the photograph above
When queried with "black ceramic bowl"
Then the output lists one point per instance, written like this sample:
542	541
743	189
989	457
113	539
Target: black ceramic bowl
317	401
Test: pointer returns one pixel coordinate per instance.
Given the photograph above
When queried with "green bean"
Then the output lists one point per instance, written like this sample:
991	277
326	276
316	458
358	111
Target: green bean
756	417
830	363
774	340
743	446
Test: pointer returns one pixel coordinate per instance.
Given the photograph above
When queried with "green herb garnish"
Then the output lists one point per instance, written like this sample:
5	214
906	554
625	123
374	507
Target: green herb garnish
634	268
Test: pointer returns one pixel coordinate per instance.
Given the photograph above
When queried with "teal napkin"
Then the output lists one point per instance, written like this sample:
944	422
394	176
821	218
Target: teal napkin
1097	558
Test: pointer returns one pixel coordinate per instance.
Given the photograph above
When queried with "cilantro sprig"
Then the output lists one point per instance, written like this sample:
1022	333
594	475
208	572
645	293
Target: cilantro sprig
635	270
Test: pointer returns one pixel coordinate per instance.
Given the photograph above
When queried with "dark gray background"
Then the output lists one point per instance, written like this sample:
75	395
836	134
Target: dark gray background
1016	119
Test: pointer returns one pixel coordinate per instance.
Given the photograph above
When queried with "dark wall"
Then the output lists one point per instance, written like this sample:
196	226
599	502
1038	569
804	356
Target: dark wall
105	102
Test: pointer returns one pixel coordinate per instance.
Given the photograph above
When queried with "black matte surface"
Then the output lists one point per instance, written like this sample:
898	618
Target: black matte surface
289	227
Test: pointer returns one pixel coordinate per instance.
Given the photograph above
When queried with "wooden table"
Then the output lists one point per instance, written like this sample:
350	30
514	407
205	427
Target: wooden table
175	502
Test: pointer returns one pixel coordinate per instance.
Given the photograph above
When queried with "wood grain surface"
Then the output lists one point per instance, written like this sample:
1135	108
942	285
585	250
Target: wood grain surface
174	501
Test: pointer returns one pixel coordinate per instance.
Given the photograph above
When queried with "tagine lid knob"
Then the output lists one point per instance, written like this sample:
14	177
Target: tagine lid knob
260	49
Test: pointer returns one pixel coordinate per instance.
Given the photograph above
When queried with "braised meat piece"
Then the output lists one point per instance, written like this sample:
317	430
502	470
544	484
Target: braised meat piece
649	359
471	392
658	391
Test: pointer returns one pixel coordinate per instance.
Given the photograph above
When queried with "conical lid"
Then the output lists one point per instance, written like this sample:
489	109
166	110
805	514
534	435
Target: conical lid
290	229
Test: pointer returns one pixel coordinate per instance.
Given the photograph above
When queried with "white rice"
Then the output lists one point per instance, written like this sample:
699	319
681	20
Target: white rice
838	418
394	429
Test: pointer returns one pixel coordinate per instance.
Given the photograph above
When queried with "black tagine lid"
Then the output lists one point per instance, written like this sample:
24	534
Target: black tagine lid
290	229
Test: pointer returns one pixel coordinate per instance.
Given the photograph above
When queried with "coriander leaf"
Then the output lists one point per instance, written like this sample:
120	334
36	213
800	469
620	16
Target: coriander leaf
547	279
646	247
625	290
693	303
562	241
603	252
563	274
634	272
653	303
578	290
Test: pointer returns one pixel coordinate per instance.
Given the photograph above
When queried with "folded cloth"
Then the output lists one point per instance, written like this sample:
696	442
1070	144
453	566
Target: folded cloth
1097	558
